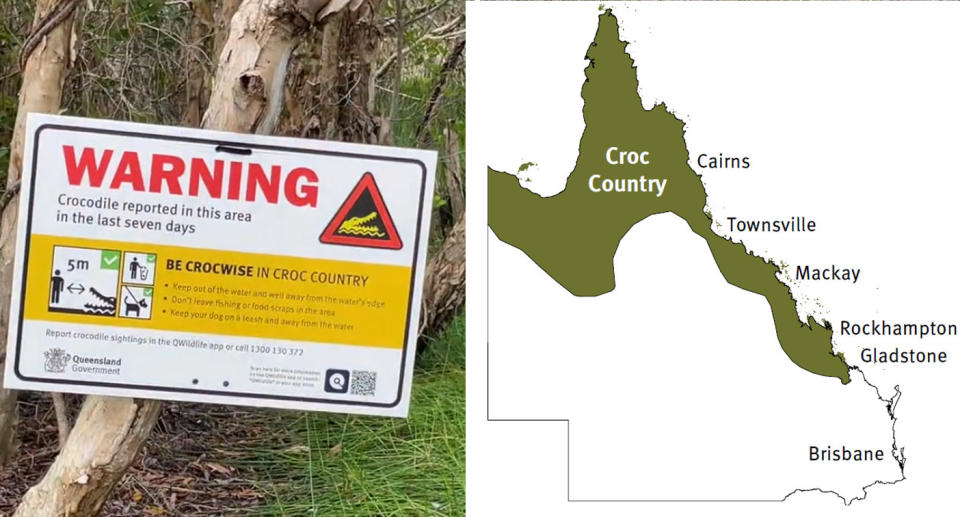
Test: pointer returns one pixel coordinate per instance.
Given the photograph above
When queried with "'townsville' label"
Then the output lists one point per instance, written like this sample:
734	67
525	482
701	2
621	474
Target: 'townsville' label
173	263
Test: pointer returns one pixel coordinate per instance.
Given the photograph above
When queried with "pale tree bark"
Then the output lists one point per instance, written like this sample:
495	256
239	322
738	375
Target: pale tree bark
63	419
210	25
47	55
222	17
247	94
107	435
109	431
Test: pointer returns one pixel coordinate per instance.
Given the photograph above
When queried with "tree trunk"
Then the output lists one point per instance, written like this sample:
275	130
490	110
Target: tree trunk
311	88
445	281
247	93
331	81
455	190
223	16
46	59
210	25
197	63
359	40
103	443
444	288
63	419
109	431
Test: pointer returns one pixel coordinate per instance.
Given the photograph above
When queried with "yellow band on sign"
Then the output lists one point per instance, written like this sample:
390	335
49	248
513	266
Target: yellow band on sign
206	291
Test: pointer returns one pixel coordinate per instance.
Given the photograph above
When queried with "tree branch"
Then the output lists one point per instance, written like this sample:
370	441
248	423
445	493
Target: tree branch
8	194
439	33
448	64
399	73
44	26
390	25
63	421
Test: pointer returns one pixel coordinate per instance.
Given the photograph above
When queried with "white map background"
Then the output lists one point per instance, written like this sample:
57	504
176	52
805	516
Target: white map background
675	384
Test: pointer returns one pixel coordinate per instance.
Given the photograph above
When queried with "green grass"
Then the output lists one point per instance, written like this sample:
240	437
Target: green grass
333	465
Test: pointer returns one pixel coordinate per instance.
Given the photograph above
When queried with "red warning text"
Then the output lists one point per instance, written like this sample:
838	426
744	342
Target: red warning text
195	177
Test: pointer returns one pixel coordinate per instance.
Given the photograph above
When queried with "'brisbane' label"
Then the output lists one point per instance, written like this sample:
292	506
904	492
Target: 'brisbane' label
830	453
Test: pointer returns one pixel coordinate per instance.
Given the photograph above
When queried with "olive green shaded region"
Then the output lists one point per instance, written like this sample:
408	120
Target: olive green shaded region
574	235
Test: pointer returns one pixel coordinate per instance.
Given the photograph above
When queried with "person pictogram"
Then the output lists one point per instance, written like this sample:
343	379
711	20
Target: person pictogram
56	287
134	267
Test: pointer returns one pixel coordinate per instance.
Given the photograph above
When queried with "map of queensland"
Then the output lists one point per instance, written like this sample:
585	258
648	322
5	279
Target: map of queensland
633	164
671	387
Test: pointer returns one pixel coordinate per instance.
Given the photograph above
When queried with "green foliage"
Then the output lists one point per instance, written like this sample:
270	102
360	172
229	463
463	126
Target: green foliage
8	116
112	78
447	352
412	104
14	18
369	466
450	112
4	164
430	32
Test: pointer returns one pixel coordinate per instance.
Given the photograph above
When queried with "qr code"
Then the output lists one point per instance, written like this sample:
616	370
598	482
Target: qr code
363	383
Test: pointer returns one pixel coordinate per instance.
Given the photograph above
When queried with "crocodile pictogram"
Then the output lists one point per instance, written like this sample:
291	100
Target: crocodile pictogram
357	226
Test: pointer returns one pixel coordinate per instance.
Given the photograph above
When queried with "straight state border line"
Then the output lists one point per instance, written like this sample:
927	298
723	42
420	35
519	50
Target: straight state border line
567	421
207	141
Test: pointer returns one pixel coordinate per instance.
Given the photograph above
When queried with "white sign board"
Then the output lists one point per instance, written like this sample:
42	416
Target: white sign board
173	263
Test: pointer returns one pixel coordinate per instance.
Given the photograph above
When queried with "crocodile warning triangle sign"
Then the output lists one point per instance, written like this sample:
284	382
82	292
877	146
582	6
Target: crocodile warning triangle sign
363	220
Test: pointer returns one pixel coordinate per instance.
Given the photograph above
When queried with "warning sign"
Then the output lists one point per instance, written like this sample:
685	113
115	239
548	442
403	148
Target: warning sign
363	220
173	263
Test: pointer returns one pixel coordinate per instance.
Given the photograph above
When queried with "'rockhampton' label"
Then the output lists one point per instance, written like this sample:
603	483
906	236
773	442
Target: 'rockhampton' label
173	263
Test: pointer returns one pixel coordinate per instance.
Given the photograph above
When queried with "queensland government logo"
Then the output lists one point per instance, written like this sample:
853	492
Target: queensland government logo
56	360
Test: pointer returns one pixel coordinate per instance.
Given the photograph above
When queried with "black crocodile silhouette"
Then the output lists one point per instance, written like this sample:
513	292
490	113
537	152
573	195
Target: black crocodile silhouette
112	300
108	307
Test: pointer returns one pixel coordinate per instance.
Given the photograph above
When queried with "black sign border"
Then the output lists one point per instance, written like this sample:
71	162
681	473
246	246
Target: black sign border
245	145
